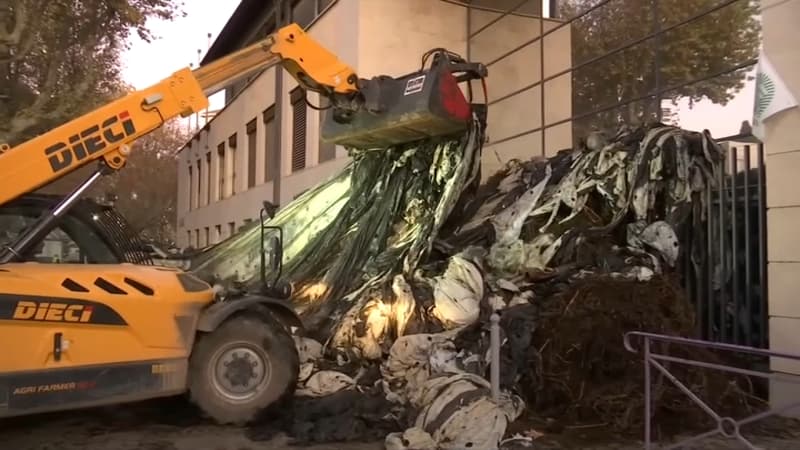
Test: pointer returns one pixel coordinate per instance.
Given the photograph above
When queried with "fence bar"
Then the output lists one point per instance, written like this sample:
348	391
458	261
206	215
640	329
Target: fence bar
709	311
748	276
494	342
734	153
647	394
705	344
691	274
762	238
727	427
723	259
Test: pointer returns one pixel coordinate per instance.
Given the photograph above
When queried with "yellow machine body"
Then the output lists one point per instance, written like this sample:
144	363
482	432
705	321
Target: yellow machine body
81	335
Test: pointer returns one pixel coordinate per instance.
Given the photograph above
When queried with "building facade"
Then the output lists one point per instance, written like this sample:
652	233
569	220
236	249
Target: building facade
782	160
257	148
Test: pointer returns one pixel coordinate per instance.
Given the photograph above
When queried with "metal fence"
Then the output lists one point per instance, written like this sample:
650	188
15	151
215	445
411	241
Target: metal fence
725	262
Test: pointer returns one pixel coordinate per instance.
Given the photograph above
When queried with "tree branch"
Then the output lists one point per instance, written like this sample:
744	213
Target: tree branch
41	110
12	38
17	43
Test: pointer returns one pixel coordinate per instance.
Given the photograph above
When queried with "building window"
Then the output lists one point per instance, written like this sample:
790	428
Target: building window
217	233
232	147
327	150
199	182
231	228
251	153
210	180
270	141
191	189
298	99
188	238
221	170
207	236
304	12
197	238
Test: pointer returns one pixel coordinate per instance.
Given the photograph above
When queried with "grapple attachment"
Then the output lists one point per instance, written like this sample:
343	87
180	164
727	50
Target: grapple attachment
392	111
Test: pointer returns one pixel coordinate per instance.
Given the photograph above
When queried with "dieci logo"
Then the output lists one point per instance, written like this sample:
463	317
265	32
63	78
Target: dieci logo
52	312
90	141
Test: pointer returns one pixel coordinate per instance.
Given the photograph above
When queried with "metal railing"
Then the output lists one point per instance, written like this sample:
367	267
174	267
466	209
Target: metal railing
727	427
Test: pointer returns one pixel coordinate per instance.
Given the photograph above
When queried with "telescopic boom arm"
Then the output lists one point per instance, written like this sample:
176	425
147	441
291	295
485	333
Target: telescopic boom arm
106	133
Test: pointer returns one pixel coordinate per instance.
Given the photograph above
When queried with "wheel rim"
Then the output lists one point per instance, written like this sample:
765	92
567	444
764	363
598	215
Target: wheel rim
240	371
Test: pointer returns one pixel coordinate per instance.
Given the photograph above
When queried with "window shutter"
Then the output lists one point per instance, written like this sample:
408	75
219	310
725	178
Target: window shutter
191	189
251	153
199	183
270	171
210	181
221	170
298	129
232	146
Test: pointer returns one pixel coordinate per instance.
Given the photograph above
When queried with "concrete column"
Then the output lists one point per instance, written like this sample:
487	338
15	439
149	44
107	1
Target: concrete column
782	146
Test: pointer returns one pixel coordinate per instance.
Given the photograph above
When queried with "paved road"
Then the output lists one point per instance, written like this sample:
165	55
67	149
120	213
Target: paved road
77	433
158	425
168	426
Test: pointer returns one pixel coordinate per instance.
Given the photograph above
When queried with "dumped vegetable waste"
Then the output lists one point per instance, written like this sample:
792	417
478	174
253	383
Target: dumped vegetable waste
398	262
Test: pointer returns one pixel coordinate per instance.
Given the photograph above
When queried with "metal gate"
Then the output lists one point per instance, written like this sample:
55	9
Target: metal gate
725	268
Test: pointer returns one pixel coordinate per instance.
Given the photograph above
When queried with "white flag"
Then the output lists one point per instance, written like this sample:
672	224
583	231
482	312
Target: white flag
772	95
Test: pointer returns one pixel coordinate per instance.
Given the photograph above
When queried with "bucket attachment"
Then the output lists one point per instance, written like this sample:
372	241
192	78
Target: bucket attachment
423	104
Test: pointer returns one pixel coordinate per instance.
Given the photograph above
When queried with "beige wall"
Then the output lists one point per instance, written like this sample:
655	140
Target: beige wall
375	37
782	146
395	35
509	74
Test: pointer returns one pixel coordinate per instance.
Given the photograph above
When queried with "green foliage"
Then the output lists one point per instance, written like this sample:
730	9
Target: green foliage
61	58
713	43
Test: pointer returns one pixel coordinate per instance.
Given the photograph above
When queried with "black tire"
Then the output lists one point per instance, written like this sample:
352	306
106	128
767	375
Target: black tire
248	336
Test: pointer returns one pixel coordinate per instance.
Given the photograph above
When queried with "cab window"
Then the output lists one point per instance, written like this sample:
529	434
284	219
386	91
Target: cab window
72	242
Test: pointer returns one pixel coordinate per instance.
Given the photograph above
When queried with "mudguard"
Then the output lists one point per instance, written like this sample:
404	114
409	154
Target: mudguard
215	314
